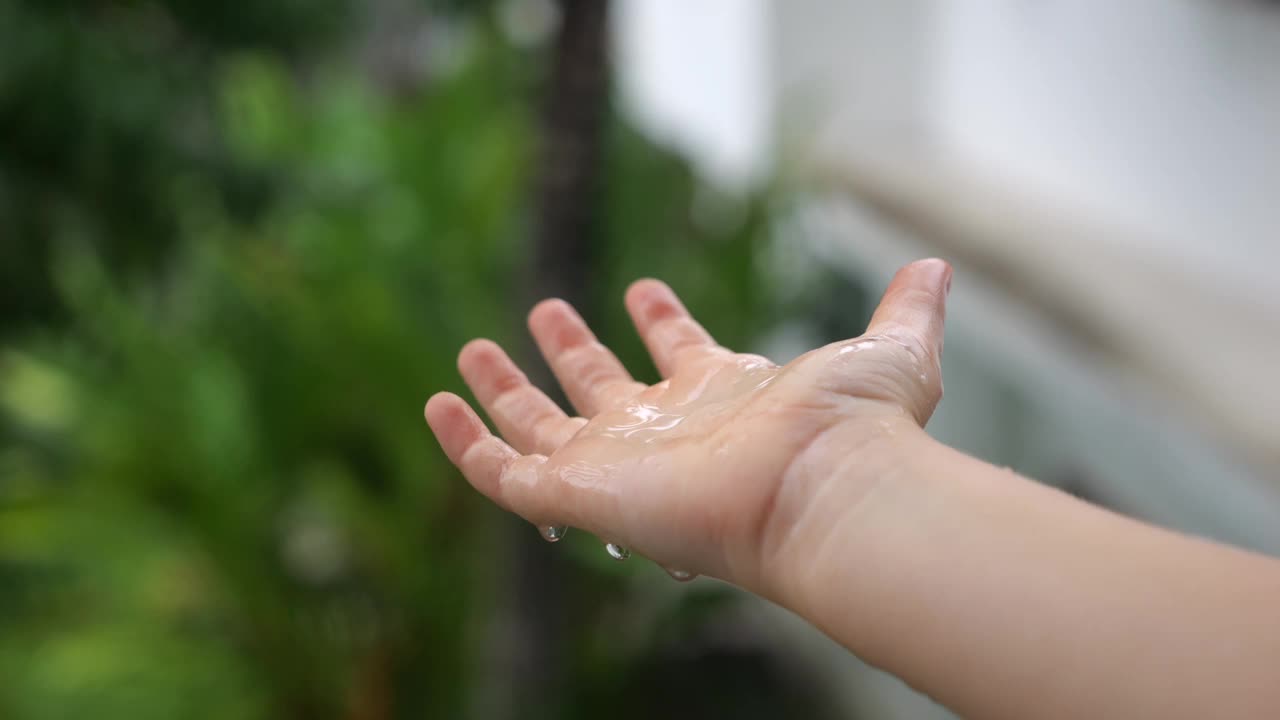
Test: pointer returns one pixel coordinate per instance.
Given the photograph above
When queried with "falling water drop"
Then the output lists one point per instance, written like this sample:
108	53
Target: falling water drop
617	552
553	533
681	575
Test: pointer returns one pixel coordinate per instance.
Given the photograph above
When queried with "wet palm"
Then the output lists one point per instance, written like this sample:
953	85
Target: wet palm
698	471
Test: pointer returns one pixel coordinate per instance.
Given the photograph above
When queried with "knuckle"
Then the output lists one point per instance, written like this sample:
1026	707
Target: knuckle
684	350
580	357
507	384
546	424
519	483
657	308
591	367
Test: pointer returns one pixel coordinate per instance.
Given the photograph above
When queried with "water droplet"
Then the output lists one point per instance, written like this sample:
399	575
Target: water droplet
553	533
643	423
857	346
617	552
681	575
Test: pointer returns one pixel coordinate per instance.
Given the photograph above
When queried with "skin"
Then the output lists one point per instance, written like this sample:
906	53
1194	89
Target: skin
813	484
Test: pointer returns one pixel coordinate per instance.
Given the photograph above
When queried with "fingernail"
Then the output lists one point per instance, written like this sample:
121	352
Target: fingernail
933	271
943	268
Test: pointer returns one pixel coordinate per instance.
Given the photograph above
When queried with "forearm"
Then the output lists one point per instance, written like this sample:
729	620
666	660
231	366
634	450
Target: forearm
1001	597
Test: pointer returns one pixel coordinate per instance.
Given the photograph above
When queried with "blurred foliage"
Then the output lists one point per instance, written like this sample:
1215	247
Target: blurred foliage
102	104
231	278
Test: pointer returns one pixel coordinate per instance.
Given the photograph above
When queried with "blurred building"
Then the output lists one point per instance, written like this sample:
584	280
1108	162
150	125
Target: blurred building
1106	179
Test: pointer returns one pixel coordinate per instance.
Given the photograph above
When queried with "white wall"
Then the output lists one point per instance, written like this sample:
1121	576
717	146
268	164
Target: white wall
1164	114
694	76
1122	161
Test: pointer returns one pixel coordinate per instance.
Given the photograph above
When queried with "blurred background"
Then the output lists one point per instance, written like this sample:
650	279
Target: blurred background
241	244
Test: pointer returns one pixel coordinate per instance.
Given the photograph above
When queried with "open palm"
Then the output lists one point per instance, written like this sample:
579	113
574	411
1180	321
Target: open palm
699	471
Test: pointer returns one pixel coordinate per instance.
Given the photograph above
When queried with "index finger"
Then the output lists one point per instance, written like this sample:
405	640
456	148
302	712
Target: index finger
669	332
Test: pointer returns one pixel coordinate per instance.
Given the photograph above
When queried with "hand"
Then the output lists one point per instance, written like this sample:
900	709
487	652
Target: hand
713	470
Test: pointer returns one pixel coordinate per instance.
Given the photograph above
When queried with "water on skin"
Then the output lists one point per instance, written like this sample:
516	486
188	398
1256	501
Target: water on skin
648	422
644	422
857	346
553	533
868	343
656	414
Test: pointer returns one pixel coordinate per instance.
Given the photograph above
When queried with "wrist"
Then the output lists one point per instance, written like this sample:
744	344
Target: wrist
854	478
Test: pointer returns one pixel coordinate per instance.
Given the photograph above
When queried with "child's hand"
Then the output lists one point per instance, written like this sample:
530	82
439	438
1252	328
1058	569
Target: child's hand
714	469
813	485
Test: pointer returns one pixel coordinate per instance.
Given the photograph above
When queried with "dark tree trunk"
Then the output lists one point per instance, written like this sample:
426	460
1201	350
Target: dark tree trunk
531	637
571	153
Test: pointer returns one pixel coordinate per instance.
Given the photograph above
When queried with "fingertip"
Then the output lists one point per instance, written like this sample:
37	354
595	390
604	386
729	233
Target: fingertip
647	290
644	288
557	326
437	405
931	262
650	299
455	425
934	273
547	311
435	412
476	352
442	410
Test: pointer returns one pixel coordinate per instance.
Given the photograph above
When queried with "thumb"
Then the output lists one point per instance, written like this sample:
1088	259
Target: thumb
913	312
